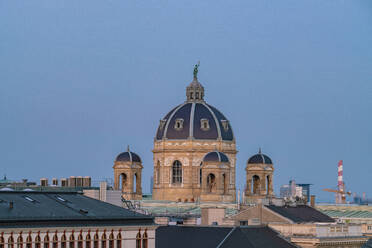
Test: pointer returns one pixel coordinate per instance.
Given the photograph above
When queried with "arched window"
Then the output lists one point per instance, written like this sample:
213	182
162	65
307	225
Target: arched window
72	241
11	242
135	183
29	241
256	184
157	178
268	182
224	182
95	240
63	241
46	241
20	241
201	174
138	239
87	241
211	183
177	172
118	240
124	182
111	240
145	240
37	241
80	241
103	240
55	241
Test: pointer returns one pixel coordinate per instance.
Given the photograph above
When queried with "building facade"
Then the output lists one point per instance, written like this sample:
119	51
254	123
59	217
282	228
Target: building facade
60	220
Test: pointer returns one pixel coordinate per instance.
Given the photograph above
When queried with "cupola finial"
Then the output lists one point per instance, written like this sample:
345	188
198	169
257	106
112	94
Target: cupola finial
259	151
195	91
128	150
196	70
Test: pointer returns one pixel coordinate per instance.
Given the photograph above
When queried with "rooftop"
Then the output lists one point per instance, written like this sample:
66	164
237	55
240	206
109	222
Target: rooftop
301	213
223	237
21	207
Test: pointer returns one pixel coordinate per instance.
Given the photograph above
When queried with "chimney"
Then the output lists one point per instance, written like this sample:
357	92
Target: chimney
11	204
312	201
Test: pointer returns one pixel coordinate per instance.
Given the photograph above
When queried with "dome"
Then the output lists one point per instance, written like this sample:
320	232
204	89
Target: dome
194	119
259	158
216	157
128	156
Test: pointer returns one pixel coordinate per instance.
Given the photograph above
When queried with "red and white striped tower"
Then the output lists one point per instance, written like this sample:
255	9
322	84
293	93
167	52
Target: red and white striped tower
340	183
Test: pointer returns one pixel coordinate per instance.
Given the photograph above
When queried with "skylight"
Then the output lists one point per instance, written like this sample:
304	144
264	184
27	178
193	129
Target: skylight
29	199
60	198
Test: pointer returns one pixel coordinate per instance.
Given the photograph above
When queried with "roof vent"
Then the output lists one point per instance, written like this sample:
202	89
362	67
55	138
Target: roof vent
83	211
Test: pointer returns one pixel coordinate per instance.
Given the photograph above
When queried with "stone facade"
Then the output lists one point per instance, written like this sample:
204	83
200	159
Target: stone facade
185	135
79	237
127	178
259	184
190	153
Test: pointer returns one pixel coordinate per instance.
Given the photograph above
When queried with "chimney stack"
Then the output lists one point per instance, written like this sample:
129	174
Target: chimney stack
312	201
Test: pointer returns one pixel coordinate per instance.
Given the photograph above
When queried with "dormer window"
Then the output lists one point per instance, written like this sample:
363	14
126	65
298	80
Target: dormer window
225	125
162	124
204	124
178	125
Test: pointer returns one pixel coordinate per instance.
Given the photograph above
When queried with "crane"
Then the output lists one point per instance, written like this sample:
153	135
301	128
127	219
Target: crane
341	192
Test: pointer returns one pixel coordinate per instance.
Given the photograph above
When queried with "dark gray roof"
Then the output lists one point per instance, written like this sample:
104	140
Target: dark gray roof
224	237
32	207
128	156
301	213
216	157
192	113
260	158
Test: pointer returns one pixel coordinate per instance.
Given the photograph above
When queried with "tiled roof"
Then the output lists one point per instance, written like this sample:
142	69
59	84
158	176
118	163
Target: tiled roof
21	206
221	237
300	213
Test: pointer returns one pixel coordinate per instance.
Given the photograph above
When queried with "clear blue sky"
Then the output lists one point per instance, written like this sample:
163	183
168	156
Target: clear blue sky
79	80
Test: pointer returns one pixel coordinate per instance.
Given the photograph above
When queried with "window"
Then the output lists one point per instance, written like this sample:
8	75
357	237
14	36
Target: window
29	241
55	241
225	125
103	240
178	125
87	241
95	241
138	239
177	172
37	241
46	241
63	241
162	124
72	241
204	124
20	241
80	241
243	223
111	240
369	227
11	242
118	241
144	240
191	95
2	242
211	182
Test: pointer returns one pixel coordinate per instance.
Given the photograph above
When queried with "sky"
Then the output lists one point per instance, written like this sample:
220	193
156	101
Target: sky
81	80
